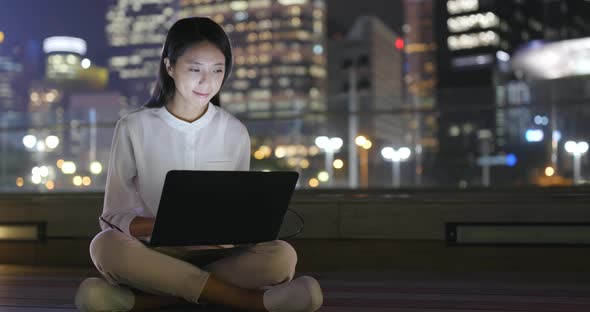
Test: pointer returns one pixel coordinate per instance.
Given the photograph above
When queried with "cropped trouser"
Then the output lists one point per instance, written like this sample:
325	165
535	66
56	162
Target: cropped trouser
183	271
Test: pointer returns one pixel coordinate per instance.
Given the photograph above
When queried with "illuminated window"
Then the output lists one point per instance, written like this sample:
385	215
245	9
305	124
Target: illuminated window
461	6
252	37
252	26
317	27
240	27
467	22
284	81
474	40
240	60
241	73
265	47
252	59
264	24
296	22
265	82
252	73
241	84
265	59
265	35
317	14
241	16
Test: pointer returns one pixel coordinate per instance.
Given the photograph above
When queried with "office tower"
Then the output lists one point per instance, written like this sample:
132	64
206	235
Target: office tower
420	81
12	75
136	31
476	40
278	82
279	54
50	123
365	89
92	116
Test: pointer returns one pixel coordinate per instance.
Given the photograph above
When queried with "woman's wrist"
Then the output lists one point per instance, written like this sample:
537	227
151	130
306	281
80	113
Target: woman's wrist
141	226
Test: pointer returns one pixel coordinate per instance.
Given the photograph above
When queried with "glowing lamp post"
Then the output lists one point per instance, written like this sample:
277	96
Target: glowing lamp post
396	156
364	144
576	149
329	146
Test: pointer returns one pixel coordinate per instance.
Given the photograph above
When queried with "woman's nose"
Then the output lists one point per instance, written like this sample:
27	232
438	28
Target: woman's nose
204	78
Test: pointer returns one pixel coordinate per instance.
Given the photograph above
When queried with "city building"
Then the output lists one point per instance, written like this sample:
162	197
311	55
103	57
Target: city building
278	83
136	31
51	130
476	40
279	54
420	82
12	75
365	91
551	93
92	116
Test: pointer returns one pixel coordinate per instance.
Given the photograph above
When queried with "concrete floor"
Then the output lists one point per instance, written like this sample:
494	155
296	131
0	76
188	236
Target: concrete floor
51	289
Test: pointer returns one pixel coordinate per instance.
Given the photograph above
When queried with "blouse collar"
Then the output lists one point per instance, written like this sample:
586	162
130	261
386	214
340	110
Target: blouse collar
185	125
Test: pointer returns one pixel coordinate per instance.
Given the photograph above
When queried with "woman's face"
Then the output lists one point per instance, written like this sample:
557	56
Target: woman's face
198	73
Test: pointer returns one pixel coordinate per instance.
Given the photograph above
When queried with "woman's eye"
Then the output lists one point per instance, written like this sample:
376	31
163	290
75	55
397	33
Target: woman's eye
220	71
194	70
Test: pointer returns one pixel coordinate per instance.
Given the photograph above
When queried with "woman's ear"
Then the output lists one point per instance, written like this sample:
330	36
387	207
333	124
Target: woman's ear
169	68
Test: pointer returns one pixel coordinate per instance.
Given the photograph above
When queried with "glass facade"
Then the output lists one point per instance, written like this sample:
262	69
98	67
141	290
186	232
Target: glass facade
279	76
135	32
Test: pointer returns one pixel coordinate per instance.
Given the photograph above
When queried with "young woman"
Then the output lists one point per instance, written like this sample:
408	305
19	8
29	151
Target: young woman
183	127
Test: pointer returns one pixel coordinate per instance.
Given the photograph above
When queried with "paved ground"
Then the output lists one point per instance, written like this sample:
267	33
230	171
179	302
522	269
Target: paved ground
40	289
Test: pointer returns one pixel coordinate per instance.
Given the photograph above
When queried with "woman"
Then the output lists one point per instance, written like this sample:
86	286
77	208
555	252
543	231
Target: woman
183	127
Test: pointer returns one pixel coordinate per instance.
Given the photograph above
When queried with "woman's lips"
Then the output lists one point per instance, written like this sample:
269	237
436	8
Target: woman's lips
201	95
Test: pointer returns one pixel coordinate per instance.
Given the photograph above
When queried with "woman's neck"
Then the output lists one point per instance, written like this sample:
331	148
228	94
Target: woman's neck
186	112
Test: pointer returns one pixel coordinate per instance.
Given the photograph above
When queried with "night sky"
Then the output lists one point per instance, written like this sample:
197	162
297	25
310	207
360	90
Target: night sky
38	19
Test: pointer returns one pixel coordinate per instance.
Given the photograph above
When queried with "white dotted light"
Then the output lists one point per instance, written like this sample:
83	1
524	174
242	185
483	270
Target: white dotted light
85	63
29	141
43	171
318	49
36	179
323	176
95	167
322	141
387	152
336	143
68	167
576	148
391	154
52	141
41	146
582	147
280	152
404	153
360	140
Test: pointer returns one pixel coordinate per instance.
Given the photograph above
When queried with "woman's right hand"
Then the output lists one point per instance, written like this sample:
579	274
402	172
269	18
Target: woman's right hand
142	227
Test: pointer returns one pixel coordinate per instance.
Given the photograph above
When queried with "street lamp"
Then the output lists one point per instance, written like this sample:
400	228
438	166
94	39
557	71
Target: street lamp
365	145
576	149
395	156
329	146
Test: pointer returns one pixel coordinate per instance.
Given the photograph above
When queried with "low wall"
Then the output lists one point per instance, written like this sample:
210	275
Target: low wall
377	229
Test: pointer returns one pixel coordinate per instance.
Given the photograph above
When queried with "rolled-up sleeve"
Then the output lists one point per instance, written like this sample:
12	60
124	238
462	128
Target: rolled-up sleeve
121	200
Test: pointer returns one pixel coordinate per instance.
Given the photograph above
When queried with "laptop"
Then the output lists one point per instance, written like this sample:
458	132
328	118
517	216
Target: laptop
221	207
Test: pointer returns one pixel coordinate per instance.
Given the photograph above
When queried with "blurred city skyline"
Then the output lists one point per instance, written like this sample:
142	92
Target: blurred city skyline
418	93
37	20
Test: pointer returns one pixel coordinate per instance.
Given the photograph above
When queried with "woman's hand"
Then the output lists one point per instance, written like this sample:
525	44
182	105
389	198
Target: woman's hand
142	227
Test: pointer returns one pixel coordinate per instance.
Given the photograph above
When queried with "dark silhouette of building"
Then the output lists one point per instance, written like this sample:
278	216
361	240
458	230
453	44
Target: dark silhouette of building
475	41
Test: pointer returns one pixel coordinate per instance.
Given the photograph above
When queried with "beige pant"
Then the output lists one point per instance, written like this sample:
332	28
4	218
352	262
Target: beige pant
183	272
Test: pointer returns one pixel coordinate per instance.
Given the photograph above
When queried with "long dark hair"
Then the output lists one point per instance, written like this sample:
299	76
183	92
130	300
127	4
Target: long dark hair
183	34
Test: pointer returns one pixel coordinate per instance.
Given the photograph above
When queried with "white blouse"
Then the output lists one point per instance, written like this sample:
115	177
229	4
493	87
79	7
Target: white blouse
149	142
